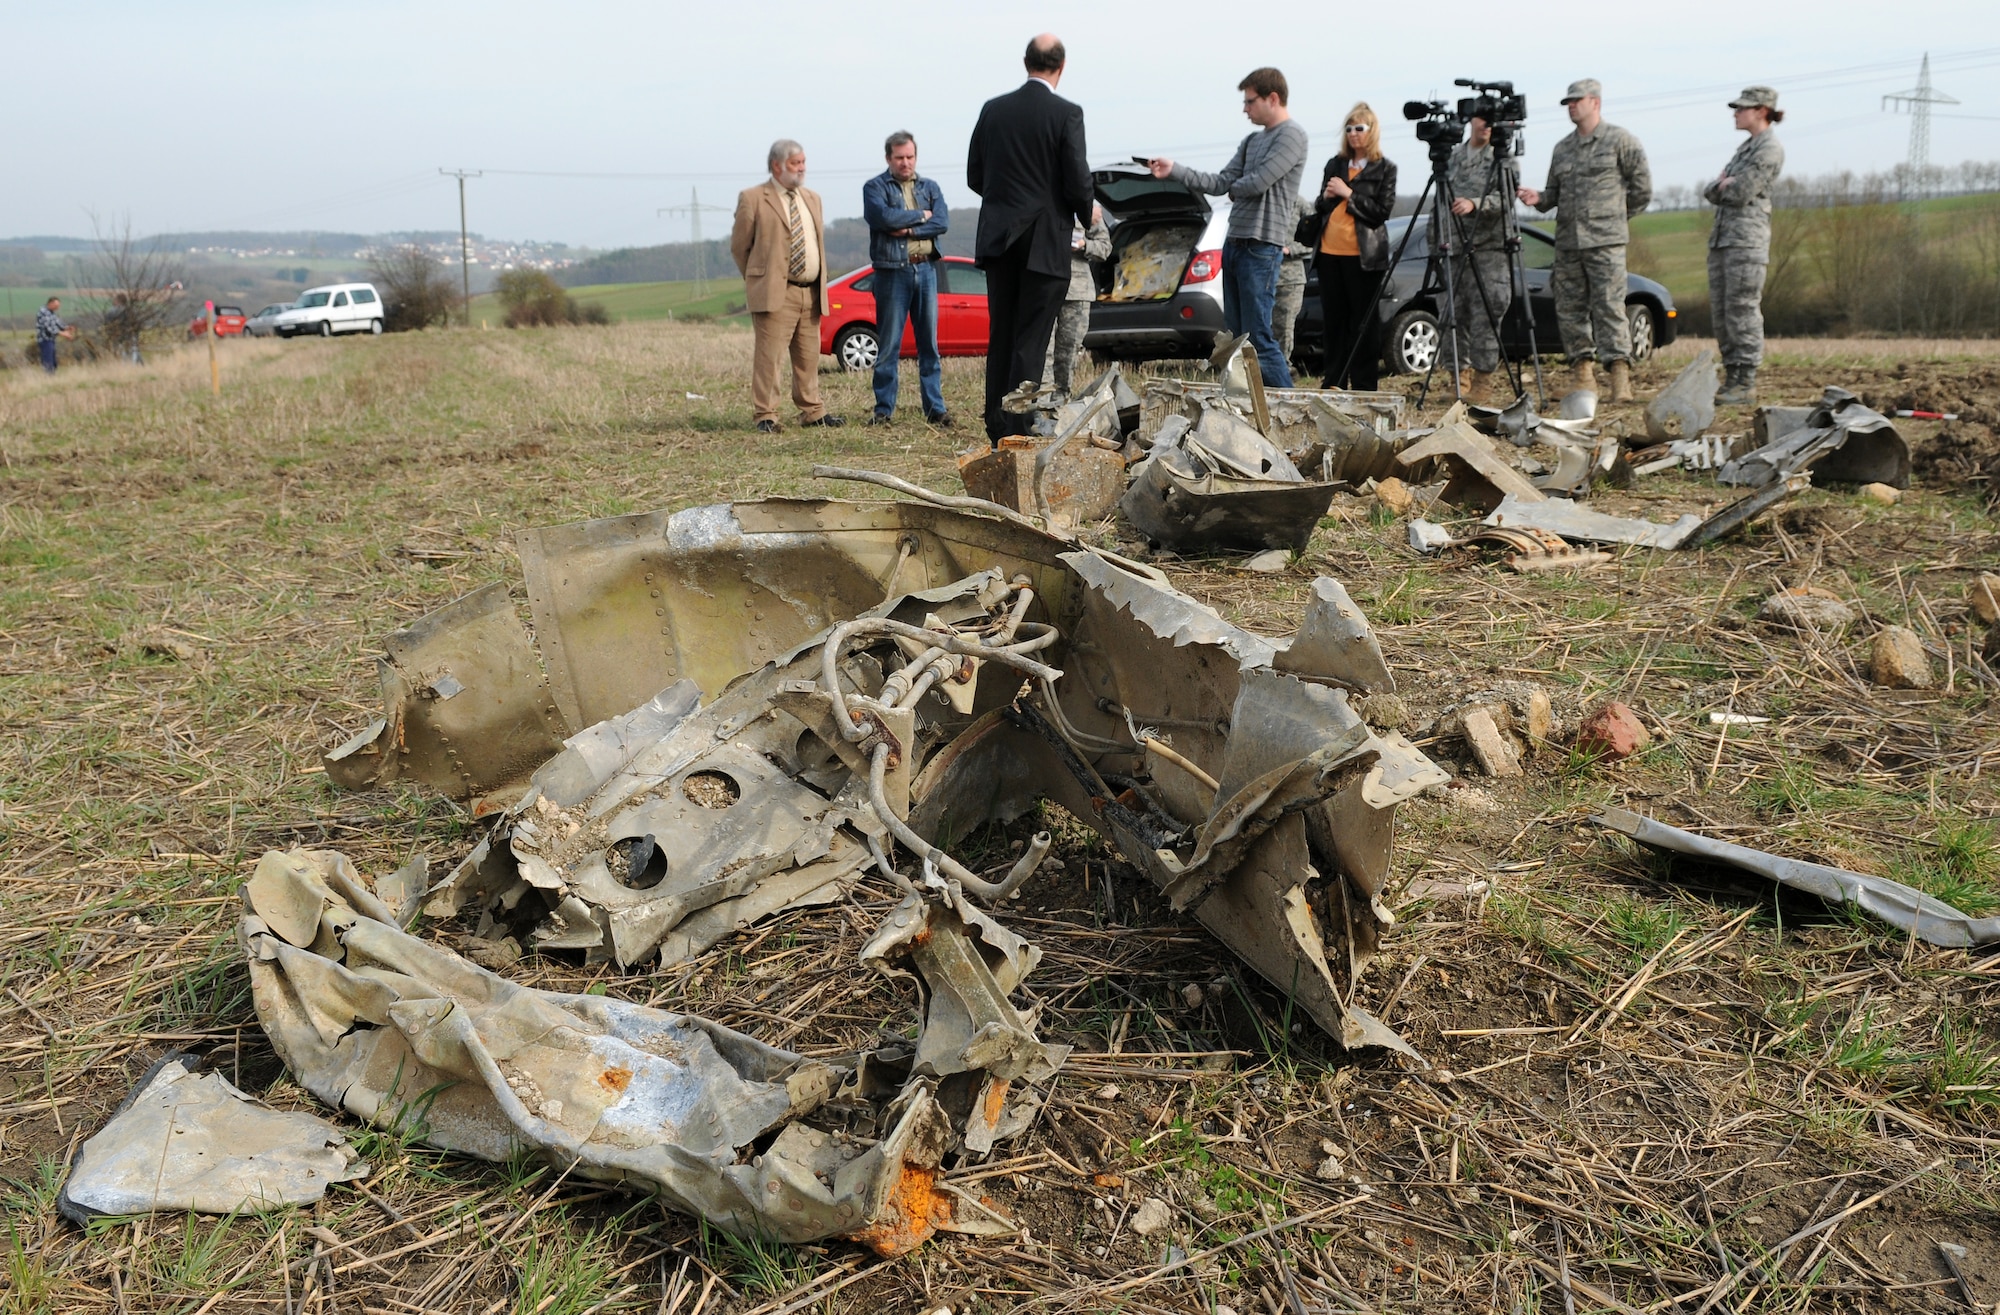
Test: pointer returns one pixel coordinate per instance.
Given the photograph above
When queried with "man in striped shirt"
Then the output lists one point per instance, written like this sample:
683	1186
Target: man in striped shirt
49	326
1262	183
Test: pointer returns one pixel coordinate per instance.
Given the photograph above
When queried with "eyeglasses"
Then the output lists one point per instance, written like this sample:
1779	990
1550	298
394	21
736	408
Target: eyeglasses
1357	127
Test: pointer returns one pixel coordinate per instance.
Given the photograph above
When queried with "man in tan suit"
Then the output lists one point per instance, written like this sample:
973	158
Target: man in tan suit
779	244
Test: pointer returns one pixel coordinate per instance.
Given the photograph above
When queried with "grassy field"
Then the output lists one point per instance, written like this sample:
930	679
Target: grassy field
1672	246
719	299
1648	1077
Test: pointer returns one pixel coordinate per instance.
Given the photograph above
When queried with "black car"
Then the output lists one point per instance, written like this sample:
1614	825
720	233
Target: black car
1415	290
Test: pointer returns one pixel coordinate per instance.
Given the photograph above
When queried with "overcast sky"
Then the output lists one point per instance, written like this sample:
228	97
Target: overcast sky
204	115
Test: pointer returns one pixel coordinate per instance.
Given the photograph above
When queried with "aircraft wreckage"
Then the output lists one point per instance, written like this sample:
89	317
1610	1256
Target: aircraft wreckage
737	709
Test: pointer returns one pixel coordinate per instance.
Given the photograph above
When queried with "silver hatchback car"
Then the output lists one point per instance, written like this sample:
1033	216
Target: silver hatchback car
265	322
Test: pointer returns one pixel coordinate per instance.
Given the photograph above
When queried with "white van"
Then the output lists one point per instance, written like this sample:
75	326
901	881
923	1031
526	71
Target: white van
335	308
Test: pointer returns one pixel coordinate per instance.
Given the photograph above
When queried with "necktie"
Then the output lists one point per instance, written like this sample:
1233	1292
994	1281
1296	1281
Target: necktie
798	260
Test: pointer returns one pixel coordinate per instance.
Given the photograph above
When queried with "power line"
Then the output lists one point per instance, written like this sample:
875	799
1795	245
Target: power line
1823	80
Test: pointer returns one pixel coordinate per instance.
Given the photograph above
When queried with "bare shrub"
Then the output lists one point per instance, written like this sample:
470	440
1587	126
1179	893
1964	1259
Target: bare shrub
417	291
533	297
142	285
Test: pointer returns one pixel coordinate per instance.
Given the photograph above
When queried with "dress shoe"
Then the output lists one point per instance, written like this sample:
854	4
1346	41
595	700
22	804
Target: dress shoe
941	420
824	422
767	426
880	418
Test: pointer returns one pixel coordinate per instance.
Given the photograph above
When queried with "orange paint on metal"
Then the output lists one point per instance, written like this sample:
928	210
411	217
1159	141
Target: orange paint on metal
996	1101
913	1211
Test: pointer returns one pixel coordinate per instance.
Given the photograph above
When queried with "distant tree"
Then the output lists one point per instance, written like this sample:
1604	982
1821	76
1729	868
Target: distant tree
142	284
533	297
417	290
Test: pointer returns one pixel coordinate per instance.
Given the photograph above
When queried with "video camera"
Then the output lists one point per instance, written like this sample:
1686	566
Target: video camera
1443	125
1437	123
1497	103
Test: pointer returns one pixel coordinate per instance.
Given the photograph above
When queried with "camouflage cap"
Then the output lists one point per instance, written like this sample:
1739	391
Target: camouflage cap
1756	98
1583	87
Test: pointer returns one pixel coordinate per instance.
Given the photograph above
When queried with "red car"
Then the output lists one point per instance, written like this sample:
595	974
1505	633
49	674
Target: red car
229	321
847	332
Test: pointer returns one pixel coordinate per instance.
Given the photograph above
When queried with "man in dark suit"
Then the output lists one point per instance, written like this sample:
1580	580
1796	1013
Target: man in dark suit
1027	164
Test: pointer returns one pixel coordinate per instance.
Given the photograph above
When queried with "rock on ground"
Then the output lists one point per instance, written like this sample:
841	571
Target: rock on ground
1394	494
1984	596
1886	494
1385	710
1613	731
1269	562
1896	659
1151	1216
1807	609
1494	755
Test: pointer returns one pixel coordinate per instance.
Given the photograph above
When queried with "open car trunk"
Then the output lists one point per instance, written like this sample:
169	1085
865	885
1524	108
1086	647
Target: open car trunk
1157	226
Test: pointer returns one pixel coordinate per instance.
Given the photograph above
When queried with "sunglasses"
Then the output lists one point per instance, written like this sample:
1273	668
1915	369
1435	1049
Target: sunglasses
1357	127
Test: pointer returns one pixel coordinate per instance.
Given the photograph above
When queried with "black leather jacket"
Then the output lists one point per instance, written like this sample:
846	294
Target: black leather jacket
1373	200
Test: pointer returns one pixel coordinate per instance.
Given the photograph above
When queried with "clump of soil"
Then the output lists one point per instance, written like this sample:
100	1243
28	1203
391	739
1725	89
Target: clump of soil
1958	454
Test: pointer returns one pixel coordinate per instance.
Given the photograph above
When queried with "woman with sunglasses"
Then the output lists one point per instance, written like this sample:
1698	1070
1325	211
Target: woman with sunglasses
1351	250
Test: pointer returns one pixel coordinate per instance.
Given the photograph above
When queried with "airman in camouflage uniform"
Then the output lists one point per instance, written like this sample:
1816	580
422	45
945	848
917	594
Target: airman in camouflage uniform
1291	285
1598	179
1482	278
1739	245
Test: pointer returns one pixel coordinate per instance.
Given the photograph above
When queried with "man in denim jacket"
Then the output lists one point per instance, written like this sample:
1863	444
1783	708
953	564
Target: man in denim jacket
906	215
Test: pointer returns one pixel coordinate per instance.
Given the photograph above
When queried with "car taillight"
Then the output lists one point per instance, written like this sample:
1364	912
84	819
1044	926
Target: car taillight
1203	266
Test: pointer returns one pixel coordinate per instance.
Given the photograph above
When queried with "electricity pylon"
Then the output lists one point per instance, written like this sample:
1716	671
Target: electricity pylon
1919	100
693	210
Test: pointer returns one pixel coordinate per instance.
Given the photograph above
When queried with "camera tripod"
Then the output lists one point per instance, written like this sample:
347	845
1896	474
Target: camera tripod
1445	226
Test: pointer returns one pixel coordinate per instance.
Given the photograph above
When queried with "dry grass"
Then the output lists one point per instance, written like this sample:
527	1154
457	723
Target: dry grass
1840	351
1661	1073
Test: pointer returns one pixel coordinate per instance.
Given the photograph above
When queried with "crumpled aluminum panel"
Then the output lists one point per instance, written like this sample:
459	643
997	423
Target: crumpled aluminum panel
467	709
400	1032
1182	498
1923	916
188	1140
1840	441
1287	867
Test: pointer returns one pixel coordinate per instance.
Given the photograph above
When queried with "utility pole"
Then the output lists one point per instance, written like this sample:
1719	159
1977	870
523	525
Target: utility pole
1919	100
693	210
464	244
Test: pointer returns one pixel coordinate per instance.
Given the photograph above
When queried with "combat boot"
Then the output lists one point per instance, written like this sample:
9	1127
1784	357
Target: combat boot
1621	381
1583	376
1741	387
1477	389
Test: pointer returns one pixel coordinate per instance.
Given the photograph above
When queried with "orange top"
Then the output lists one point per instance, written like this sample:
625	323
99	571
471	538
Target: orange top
1339	239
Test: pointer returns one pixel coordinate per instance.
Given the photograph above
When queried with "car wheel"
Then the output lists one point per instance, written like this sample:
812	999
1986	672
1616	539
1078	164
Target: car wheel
857	349
1413	342
375	327
326	328
1641	316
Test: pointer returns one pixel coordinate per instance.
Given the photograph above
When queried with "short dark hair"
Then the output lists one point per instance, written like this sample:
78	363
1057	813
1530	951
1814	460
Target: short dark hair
1267	82
1040	59
898	138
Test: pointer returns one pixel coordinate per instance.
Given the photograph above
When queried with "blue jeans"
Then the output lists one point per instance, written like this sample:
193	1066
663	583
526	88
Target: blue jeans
1249	286
908	292
48	346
